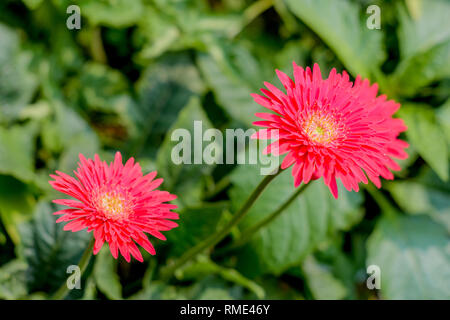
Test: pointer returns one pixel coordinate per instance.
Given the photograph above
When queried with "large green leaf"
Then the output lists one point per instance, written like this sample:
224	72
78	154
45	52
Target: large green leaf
321	281
233	73
66	126
12	280
421	31
308	221
17	146
339	25
443	116
84	144
164	89
112	13
66	133
49	250
174	26
185	179
424	38
17	83
431	196
209	288
204	267
413	254
427	136
157	34
423	68
195	225
195	19
104	92
32	4
105	275
16	205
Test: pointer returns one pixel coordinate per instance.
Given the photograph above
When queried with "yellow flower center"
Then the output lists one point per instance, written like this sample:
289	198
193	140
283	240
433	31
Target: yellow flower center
321	129
113	205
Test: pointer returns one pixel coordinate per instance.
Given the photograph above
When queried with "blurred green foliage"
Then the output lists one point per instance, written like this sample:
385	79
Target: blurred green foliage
136	70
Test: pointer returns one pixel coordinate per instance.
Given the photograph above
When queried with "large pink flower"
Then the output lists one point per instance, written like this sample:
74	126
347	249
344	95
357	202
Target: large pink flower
117	202
331	128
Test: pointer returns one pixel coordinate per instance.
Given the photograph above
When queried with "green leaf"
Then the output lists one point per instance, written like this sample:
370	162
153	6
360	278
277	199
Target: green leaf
233	74
343	266
195	225
280	290
105	275
204	266
112	13
431	197
84	144
104	92
158	291
17	83
17	151
67	127
98	83
178	26
185	180
16	205
90	291
321	281
424	30
49	250
157	34
32	4
424	46
214	294
308	221
213	287
196	20
165	87
413	254
292	51
443	116
12	280
210	287
339	25
422	69
427	136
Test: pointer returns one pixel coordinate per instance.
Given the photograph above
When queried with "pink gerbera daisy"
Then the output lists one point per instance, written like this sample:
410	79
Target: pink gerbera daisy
117	202
331	128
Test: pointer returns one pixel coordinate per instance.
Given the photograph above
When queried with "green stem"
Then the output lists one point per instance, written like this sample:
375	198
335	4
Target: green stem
84	261
97	49
251	13
219	235
386	206
220	186
248	233
286	16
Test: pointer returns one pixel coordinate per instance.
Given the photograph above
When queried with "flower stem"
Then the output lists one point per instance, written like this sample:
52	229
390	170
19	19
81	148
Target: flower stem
385	205
251	13
219	235
97	49
248	233
220	186
84	261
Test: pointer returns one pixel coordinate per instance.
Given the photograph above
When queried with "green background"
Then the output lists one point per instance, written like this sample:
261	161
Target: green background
139	69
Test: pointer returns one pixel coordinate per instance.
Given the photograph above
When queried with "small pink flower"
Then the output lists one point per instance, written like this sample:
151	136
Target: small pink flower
332	128
117	202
